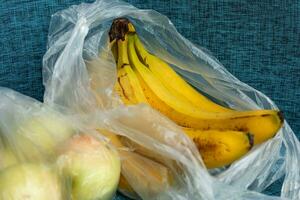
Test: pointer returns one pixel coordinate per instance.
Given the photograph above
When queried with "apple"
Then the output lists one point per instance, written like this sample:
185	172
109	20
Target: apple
93	166
7	158
39	136
31	182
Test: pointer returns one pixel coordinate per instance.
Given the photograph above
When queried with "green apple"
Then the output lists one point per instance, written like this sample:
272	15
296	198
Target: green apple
31	182
93	167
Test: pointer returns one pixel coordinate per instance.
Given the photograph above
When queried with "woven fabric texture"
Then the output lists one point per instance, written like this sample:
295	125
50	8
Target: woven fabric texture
257	41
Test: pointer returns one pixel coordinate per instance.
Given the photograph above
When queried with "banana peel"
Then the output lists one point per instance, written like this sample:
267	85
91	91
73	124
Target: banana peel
140	176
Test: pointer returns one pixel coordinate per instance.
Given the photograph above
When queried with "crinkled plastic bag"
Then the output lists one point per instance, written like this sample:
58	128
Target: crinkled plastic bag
79	74
43	153
26	148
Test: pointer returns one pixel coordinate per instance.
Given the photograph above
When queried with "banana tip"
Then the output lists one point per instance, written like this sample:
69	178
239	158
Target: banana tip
251	139
280	115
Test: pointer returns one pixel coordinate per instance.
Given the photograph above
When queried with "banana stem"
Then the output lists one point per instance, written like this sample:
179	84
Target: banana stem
119	28
122	52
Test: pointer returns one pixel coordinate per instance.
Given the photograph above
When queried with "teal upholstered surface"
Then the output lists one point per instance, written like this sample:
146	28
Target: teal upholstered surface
258	41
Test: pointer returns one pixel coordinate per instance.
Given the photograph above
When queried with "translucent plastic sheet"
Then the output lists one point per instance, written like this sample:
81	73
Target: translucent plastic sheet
79	74
43	153
25	170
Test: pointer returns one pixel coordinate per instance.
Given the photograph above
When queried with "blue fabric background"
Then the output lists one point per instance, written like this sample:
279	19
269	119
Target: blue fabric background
258	41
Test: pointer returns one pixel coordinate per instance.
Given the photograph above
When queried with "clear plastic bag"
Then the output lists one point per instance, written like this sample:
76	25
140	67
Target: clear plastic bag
79	74
26	149
43	152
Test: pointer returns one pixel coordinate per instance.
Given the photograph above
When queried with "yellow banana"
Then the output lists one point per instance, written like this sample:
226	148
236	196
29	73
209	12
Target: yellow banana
263	124
219	148
125	188
219	133
124	88
150	177
149	153
209	156
127	85
173	81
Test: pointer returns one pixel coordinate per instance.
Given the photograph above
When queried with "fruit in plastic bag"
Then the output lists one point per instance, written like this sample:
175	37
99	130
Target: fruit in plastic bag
263	124
7	158
219	148
67	79
126	189
38	136
144	78
92	165
174	82
31	182
146	176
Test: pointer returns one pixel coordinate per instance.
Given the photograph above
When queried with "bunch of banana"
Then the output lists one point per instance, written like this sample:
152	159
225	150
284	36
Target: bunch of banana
222	135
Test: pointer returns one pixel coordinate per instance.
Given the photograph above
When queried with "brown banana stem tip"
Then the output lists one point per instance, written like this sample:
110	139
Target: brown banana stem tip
280	115
251	139
119	29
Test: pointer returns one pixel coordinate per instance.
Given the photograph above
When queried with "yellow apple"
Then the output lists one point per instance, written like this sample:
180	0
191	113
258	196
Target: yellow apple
31	182
93	167
39	136
7	158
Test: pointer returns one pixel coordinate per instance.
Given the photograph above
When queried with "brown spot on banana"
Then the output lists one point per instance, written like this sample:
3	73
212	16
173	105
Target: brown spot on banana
220	148
122	89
